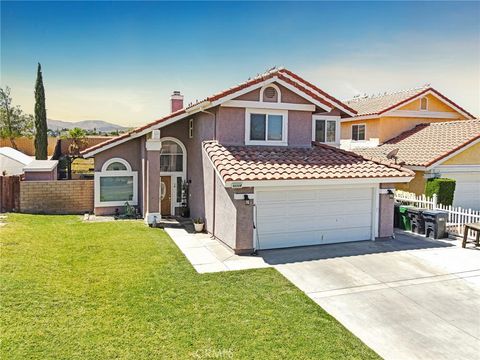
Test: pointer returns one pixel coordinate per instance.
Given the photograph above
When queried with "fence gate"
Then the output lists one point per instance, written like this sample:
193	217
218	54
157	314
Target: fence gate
9	193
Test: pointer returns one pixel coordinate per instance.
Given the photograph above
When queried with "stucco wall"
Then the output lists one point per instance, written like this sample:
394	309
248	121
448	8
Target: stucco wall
470	156
386	208
231	126
41	175
433	104
371	129
417	185
299	128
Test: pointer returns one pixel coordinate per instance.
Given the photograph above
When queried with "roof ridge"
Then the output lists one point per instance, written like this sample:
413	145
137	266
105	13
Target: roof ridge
387	93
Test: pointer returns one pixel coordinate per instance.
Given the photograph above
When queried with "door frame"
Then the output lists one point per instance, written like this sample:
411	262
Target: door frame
173	176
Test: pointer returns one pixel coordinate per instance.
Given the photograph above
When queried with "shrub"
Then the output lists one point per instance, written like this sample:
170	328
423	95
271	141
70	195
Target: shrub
444	188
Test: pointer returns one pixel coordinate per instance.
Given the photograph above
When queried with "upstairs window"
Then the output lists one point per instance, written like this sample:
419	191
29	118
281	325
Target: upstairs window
266	127
423	103
324	131
358	132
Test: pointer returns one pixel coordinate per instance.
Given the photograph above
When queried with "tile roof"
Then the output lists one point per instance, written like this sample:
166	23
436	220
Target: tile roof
379	104
253	163
281	73
426	144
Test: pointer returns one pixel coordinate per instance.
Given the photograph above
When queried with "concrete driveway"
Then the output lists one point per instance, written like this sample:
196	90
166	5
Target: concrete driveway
408	298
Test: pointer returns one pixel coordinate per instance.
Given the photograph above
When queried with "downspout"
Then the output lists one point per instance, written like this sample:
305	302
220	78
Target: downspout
214	192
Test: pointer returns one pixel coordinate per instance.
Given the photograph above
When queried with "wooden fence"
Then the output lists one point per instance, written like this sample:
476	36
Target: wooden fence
457	217
9	193
26	145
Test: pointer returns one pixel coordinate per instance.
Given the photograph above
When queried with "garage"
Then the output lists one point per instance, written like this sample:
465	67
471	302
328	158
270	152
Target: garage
467	189
288	217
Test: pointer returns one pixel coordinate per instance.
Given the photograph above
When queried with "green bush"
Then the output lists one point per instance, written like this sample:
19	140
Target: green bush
444	188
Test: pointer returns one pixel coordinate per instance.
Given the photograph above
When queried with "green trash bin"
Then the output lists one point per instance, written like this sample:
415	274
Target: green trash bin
404	219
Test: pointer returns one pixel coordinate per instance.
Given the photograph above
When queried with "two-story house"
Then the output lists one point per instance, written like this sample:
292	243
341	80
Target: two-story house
382	117
259	162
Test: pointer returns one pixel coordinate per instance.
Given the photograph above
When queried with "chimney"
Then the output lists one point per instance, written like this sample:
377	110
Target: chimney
176	101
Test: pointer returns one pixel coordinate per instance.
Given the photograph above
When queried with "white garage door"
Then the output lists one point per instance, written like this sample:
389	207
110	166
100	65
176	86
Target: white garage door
467	189
298	217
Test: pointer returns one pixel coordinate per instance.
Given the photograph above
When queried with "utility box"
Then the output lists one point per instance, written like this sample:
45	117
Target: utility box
416	220
435	223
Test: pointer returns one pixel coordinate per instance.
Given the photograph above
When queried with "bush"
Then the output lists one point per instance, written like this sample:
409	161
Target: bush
444	188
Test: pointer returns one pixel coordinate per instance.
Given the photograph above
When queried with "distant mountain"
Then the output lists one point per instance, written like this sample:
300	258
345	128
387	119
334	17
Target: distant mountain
99	125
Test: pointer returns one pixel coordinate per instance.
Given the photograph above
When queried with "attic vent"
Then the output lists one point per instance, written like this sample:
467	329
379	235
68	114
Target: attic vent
270	93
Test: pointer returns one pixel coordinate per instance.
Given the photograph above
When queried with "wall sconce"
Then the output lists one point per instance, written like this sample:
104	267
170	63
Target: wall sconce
247	200
390	193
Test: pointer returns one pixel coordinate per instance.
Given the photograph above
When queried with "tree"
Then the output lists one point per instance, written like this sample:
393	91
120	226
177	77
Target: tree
77	139
13	121
41	140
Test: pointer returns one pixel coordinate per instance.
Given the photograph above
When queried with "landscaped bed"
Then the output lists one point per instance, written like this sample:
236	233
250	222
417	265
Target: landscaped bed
71	289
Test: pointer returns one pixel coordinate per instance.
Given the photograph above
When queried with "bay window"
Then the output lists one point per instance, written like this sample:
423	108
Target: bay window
266	127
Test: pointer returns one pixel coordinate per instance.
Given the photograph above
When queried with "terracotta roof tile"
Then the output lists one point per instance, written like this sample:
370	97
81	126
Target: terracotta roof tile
427	143
250	163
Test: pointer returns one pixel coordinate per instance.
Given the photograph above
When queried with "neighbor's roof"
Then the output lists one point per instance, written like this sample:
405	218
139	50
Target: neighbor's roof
281	74
427	144
379	104
16	155
254	163
41	165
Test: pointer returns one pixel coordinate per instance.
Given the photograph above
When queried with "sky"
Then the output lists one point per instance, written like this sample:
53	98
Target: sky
120	61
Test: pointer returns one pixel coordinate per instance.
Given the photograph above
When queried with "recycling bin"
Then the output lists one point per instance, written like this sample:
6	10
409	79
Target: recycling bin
404	220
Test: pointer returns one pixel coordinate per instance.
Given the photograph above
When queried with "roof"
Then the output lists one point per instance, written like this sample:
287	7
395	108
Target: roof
286	76
15	155
379	104
41	165
427	144
254	163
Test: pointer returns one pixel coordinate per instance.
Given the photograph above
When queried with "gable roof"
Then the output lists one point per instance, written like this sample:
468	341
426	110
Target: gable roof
380	104
281	75
427	144
321	162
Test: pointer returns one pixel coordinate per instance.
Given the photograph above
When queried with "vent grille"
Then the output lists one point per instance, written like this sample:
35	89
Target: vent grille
270	93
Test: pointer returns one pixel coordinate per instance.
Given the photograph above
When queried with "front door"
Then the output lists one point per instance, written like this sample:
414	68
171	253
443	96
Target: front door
165	195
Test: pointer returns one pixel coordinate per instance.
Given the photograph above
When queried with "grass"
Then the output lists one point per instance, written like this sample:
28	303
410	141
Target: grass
74	290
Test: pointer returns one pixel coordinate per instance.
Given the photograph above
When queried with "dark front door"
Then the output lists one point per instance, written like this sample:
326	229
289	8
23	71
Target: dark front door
165	195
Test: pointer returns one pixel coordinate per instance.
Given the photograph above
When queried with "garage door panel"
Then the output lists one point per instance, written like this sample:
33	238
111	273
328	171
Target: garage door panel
295	217
467	189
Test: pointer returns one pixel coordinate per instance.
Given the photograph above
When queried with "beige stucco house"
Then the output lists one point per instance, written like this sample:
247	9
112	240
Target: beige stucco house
259	162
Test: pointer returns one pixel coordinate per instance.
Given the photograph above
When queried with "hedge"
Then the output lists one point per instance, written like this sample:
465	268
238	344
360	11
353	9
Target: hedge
443	187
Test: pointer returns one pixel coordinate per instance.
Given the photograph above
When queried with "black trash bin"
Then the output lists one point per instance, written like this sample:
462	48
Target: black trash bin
396	215
416	219
435	223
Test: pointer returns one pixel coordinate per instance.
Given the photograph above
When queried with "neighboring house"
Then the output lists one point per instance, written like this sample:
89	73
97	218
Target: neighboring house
261	164
447	149
382	117
13	161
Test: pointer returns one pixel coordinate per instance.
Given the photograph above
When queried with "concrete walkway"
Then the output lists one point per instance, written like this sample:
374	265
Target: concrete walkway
408	298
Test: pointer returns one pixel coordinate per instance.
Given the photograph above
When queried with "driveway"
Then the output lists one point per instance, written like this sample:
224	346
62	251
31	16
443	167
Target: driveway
408	298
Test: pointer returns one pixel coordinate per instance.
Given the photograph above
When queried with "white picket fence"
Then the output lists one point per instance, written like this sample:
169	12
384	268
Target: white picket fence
457	217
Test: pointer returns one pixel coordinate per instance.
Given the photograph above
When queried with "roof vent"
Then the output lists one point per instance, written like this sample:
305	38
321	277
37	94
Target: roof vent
270	93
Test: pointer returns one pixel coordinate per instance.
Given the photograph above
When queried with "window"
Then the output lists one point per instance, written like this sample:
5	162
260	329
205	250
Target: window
266	127
358	132
423	103
325	129
116	184
190	128
171	157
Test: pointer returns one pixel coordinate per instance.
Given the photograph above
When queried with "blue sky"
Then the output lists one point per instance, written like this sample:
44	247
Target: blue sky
119	61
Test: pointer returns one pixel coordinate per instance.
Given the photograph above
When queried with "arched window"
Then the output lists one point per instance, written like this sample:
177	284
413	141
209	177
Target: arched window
116	184
171	157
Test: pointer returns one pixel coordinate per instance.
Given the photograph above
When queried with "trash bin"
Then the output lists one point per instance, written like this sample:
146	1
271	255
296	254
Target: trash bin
396	215
404	220
416	220
435	223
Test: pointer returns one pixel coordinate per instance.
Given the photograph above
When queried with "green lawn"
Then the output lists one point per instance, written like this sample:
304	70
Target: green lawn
73	290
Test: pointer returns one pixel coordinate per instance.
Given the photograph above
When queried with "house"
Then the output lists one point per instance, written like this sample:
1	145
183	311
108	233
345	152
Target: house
382	117
259	162
446	149
13	161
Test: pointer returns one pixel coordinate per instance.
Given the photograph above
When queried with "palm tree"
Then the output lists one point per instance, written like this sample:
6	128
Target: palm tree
77	139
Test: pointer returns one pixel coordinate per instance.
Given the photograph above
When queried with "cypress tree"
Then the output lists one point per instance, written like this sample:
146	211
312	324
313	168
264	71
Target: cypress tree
41	141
